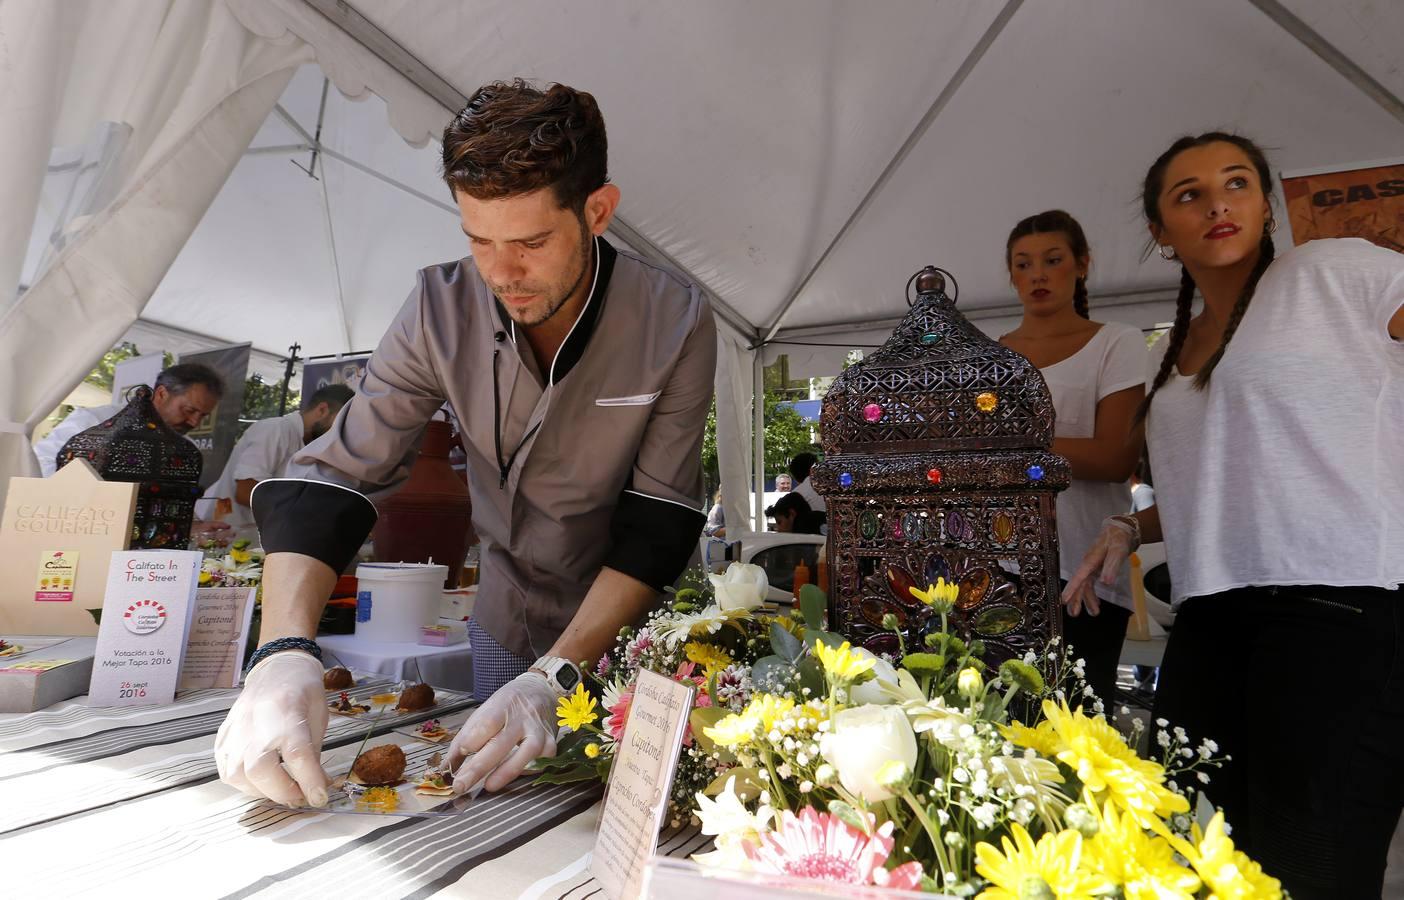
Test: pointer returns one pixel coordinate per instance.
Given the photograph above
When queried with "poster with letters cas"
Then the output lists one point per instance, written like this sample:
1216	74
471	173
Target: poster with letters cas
216	435
56	537
1364	201
145	623
640	783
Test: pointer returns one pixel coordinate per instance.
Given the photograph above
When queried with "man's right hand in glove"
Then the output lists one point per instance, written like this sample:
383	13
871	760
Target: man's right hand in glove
270	743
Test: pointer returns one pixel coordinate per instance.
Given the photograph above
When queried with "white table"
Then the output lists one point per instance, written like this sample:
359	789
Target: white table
450	667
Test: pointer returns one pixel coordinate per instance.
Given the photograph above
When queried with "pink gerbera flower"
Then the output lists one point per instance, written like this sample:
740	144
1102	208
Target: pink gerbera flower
823	847
618	715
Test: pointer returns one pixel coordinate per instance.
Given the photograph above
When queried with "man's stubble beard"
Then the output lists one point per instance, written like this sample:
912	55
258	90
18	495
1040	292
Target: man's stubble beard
585	258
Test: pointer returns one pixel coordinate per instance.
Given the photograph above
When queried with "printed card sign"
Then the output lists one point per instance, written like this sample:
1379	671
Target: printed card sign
145	622
640	783
219	632
58	569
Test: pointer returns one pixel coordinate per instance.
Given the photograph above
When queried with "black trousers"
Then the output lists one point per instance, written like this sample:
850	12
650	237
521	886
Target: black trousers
1304	687
1097	640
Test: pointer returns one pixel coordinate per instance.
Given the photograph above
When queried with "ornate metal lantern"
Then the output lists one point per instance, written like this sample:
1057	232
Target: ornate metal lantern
135	445
937	465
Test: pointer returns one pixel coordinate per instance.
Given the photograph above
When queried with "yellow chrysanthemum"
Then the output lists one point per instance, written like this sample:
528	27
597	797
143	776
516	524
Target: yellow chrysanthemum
789	623
1228	873
1108	768
1141	864
711	658
206	578
240	556
576	711
592	751
1042	738
842	663
943	590
1050	868
735	731
768	709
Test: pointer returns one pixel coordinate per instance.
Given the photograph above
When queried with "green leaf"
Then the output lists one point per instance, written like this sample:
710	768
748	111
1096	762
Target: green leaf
748	781
785	645
814	605
827	638
96	614
570	776
811	675
771	674
705	717
849	815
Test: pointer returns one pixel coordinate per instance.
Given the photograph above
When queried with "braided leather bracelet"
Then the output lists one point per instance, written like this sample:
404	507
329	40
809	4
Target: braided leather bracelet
307	645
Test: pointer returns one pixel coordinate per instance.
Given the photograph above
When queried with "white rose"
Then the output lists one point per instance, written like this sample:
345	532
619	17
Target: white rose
871	691
863	739
741	586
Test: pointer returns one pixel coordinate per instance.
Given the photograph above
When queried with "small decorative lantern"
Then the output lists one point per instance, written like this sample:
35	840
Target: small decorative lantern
135	445
937	466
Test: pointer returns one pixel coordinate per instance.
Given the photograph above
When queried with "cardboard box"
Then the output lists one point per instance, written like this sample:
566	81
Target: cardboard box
39	678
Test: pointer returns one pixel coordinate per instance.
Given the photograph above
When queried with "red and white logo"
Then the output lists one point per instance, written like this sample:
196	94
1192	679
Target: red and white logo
144	616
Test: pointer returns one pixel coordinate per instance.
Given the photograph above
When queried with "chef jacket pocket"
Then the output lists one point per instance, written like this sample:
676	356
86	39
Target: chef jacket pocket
636	400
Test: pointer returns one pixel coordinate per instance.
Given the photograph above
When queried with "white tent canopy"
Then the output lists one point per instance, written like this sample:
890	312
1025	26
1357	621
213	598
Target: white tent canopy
798	158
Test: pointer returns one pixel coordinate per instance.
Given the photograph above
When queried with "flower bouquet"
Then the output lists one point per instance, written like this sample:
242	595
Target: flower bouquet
242	566
713	634
917	773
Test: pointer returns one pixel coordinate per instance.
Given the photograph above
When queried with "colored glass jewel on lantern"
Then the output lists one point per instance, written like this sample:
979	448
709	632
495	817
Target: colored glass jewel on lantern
1036	473
846	479
912	526
930	338
1002	527
933	476
868	525
986	401
872	412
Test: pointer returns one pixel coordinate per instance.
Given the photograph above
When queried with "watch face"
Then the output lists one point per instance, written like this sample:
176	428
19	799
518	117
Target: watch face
567	677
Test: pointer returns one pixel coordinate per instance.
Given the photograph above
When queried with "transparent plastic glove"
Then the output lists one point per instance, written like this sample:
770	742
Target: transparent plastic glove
515	726
270	743
1115	543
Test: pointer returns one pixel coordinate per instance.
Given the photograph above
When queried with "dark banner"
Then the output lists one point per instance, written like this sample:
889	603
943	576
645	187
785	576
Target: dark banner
216	436
1365	203
348	370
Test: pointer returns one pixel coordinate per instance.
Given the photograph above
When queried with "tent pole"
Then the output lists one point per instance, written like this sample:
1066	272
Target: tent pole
1344	65
758	437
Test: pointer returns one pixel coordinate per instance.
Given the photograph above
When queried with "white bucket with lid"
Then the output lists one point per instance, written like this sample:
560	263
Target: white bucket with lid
395	600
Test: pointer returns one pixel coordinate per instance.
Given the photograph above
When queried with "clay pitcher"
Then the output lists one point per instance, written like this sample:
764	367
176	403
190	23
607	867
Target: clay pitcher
430	515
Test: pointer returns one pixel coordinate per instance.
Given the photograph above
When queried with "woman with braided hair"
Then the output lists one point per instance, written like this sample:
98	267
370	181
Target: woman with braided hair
1097	374
1275	423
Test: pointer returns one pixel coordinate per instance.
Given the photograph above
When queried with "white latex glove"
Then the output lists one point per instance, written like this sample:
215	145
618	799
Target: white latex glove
1113	546
515	726
270	743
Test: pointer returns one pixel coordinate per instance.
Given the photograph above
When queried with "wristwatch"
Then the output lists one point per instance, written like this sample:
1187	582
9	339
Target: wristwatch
562	674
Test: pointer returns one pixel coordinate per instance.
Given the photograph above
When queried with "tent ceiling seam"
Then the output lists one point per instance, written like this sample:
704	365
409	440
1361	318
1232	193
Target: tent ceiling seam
967	66
1344	66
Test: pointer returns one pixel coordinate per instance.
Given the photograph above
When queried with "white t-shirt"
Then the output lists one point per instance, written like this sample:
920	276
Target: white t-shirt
806	490
1289	467
261	454
81	419
1113	360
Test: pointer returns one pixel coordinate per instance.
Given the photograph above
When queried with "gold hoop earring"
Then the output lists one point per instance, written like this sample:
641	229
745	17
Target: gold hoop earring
1161	250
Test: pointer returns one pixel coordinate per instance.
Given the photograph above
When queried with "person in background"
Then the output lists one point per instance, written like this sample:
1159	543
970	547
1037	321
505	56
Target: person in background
783	483
800	467
792	515
1275	421
1096	373
264	450
184	396
716	519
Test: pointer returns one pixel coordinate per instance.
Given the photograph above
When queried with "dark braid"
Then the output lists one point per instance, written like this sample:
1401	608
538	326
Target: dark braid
1265	255
1184	304
1080	298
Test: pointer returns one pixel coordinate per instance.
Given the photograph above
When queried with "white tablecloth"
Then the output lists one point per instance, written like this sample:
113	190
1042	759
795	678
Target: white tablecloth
450	667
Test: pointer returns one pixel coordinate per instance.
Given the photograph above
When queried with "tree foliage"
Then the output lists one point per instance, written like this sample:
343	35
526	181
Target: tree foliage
786	435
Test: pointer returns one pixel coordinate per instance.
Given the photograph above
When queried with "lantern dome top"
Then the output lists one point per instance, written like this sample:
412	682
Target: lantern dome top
937	384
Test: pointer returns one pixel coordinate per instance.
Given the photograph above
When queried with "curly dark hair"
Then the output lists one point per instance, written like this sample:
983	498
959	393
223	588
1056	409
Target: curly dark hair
513	138
1055	221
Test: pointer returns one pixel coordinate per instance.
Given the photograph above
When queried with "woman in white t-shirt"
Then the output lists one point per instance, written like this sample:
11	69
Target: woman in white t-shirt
1280	497
1096	373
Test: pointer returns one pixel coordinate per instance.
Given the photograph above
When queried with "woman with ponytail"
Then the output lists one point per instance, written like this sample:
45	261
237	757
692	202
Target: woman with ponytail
1097	375
1275	424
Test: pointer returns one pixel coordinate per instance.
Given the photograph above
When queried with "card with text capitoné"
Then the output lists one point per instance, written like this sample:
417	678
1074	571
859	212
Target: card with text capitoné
145	623
55	540
640	784
219	634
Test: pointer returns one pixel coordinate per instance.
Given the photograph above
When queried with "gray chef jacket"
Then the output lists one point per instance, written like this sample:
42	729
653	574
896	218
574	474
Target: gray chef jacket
595	461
